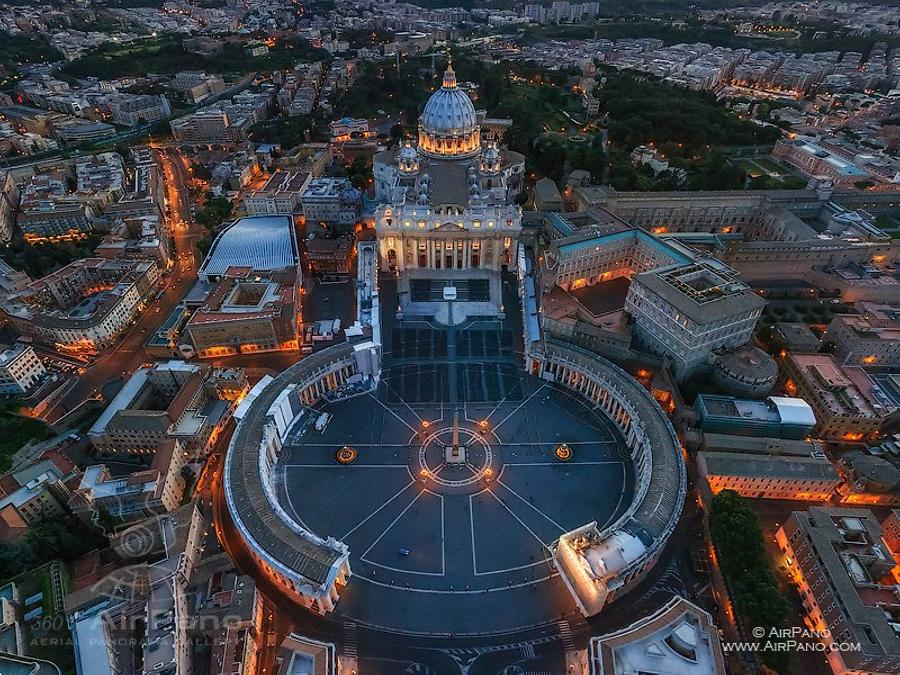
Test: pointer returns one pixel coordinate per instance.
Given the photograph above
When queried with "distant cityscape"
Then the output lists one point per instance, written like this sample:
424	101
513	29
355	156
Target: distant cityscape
357	338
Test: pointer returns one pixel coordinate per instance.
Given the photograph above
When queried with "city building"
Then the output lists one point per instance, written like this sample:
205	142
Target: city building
260	243
49	213
847	403
768	476
167	401
868	480
745	370
142	585
237	645
330	258
209	126
197	86
280	194
842	568
35	492
687	312
102	498
20	369
332	201
298	651
775	417
84	306
812	159
871	337
679	637
137	238
248	312
9	203
797	337
103	172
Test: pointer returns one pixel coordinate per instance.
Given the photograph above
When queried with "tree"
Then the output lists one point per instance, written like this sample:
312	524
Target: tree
738	539
215	212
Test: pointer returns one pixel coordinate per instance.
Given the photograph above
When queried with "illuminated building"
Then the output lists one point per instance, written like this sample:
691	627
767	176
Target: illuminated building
869	480
84	306
332	201
280	194
447	216
597	565
870	338
248	312
769	476
260	243
170	400
848	403
842	569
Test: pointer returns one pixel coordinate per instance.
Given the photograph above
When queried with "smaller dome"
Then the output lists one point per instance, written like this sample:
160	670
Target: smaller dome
408	153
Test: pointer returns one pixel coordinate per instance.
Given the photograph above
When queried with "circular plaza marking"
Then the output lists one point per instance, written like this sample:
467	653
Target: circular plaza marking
475	464
438	545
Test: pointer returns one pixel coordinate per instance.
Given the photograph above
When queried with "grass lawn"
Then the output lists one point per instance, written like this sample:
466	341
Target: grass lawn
16	431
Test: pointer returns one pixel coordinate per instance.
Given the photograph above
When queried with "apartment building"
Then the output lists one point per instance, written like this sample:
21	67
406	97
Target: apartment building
871	337
209	126
86	305
280	194
167	401
842	570
20	369
847	403
164	566
36	492
236	646
122	499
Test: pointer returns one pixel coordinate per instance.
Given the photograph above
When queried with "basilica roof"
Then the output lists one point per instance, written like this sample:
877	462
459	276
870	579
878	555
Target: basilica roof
449	110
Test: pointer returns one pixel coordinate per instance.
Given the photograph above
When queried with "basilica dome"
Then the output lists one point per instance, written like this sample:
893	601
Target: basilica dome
448	126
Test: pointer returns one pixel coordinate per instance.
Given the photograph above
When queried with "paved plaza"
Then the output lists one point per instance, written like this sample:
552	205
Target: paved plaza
452	538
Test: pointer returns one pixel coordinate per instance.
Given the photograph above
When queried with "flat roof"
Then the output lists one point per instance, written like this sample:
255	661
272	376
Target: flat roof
767	466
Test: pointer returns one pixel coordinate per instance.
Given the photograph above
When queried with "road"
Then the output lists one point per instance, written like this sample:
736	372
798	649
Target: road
128	134
127	355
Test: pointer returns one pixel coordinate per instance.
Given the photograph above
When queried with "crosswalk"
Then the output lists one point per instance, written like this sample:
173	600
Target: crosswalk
565	632
350	640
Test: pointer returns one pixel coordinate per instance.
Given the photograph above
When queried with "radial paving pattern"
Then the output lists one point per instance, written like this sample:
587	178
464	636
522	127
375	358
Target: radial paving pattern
444	543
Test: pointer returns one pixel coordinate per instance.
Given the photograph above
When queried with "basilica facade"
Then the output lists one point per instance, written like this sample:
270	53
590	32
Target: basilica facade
447	216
